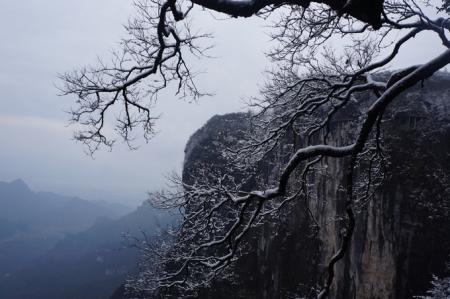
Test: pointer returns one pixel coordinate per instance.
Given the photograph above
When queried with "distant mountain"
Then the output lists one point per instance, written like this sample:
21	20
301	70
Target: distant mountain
90	264
31	223
46	212
9	229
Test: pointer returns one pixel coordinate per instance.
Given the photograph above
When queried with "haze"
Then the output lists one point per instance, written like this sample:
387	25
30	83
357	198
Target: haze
40	39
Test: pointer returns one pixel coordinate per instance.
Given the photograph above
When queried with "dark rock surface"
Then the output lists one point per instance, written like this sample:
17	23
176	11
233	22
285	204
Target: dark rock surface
402	235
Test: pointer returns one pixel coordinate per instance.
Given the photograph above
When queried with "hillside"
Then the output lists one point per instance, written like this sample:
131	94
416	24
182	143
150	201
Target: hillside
54	246
33	222
89	264
52	213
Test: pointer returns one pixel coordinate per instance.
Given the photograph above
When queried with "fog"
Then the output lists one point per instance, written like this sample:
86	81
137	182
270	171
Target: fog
43	38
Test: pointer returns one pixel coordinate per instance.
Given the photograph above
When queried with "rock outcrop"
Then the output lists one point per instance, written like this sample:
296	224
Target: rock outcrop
402	234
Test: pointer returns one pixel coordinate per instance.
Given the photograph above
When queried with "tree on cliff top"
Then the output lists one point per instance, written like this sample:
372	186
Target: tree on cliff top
309	76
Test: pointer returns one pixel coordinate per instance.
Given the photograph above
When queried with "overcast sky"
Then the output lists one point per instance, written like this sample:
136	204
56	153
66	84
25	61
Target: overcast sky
41	38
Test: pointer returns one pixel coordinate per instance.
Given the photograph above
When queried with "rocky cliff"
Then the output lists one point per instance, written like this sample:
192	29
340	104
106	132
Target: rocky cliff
402	234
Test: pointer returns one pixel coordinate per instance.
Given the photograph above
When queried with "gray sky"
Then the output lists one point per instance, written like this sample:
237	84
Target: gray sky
40	38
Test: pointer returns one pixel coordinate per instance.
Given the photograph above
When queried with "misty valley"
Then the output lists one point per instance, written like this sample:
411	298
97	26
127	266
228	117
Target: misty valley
53	246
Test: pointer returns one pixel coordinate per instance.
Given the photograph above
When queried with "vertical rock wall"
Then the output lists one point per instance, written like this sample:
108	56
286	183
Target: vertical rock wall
396	246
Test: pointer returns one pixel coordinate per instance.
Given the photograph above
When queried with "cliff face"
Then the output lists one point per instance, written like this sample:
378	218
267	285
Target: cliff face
402	234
